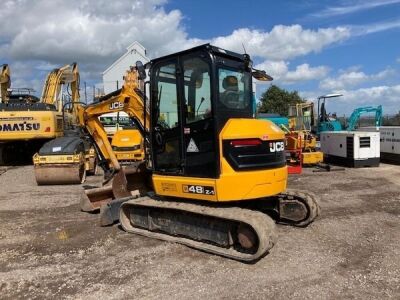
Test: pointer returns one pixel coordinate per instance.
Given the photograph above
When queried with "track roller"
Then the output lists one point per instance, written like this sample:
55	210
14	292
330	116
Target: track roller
232	232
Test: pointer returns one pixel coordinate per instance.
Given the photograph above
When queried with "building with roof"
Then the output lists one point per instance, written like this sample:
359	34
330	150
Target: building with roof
113	75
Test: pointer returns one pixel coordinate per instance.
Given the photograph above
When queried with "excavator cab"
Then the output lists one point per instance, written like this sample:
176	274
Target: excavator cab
194	93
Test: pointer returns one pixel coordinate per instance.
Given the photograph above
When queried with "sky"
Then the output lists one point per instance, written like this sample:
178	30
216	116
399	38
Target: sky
315	47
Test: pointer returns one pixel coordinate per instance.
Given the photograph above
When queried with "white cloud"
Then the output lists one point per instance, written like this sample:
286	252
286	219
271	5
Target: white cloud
353	77
45	33
97	30
387	96
282	42
353	8
305	72
359	30
91	31
279	70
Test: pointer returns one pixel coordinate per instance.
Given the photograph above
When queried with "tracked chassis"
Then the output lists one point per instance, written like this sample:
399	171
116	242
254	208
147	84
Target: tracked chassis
240	231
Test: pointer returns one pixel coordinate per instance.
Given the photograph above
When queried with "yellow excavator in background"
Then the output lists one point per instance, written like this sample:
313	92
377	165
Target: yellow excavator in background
64	160
299	133
213	176
5	83
25	124
126	140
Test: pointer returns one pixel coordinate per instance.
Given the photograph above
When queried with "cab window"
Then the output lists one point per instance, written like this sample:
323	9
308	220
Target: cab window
234	89
197	89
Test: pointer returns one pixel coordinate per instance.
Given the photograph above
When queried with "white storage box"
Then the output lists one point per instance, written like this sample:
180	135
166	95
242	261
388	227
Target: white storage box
351	148
390	142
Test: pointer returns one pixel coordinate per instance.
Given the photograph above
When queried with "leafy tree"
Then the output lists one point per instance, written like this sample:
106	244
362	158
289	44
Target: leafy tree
277	100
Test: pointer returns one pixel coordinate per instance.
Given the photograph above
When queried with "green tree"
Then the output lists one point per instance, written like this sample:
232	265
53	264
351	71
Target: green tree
277	100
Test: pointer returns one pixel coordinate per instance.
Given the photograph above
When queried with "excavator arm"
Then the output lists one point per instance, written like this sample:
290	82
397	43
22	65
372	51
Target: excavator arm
68	74
128	99
5	83
356	114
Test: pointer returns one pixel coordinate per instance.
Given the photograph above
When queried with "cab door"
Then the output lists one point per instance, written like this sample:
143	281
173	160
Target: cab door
166	133
199	140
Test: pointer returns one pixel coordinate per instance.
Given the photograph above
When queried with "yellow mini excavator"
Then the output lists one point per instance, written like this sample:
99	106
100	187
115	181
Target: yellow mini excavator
213	176
299	134
5	83
25	123
66	160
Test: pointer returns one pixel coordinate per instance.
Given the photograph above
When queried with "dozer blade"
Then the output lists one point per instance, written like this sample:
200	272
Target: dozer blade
129	181
60	174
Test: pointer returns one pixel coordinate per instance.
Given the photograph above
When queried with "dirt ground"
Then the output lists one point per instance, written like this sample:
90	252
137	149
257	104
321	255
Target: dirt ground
49	249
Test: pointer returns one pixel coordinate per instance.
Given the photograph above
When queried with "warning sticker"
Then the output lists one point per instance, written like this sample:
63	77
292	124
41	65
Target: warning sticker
192	147
168	187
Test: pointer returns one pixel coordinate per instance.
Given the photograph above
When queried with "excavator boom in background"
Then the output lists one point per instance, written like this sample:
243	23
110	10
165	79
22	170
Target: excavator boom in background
5	83
216	174
65	159
25	124
356	115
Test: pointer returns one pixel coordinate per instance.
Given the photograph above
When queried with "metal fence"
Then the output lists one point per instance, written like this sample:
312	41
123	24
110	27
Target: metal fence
90	93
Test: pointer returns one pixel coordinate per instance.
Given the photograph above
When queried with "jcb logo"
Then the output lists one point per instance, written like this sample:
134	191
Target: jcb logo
116	105
276	146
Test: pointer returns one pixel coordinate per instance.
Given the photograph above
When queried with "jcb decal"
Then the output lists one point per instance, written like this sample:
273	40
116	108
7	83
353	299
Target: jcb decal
116	105
276	146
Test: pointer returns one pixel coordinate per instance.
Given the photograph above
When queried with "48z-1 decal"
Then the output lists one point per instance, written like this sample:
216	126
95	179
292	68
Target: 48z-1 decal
198	189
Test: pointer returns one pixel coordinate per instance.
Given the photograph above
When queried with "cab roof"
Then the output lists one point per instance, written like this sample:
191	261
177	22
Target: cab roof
205	47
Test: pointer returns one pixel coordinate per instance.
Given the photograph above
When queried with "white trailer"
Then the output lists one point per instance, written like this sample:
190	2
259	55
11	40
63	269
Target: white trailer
351	148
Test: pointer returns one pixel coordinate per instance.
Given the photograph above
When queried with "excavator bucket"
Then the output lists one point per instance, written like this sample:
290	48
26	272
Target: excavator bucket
129	181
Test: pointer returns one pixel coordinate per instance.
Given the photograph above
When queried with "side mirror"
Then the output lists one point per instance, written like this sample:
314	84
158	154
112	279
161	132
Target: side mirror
141	70
261	75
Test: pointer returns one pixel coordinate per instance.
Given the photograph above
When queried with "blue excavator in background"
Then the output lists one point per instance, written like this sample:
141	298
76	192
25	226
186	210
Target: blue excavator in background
356	114
327	122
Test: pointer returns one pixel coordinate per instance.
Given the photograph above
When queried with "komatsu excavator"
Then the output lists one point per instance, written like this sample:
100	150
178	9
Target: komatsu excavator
5	83
26	125
214	177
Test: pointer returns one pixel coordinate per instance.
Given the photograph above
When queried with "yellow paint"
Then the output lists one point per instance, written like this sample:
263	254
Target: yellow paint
312	158
232	185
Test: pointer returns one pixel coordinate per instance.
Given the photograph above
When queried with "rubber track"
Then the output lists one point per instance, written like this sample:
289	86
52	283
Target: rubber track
262	224
309	199
3	170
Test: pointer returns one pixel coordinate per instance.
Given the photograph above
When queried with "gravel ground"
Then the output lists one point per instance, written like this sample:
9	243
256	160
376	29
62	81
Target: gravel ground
49	249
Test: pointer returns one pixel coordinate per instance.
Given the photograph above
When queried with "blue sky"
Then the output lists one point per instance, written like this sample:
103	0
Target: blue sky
370	53
314	47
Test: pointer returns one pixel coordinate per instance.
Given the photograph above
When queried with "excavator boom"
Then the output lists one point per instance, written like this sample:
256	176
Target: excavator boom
5	82
127	99
356	114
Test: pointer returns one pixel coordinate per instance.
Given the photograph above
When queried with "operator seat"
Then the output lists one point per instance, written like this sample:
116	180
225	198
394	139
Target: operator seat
230	96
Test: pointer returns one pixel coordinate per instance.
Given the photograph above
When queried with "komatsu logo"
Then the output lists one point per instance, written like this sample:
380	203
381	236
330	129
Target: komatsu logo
23	126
